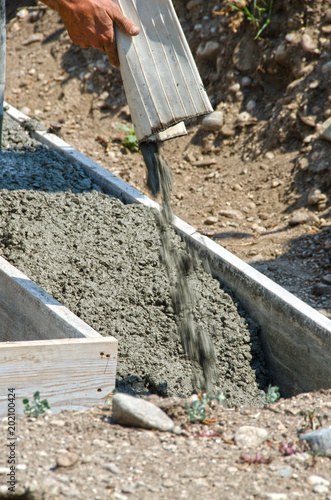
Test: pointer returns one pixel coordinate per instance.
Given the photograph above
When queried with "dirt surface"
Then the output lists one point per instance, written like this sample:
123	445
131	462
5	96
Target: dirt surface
256	176
205	461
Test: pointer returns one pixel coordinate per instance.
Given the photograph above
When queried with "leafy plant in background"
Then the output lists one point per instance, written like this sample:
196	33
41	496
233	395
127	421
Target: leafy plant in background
36	407
196	411
259	14
130	141
272	395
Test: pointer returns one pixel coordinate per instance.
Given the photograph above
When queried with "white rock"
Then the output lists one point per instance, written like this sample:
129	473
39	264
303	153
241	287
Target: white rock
281	53
308	43
25	110
135	412
275	496
234	88
21	467
213	121
22	14
111	467
4	470
250	437
290	37
314	479
321	489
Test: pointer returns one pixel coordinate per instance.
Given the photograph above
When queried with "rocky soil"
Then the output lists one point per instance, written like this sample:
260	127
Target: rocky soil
258	182
241	453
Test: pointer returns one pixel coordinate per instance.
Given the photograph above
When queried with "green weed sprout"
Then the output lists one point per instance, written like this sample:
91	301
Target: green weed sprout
271	396
36	407
196	411
130	141
257	14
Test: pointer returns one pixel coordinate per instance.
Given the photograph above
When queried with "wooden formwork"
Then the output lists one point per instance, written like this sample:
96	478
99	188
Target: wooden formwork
46	348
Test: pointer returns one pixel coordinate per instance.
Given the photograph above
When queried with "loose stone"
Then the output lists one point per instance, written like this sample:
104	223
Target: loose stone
319	441
321	489
111	467
135	412
231	213
36	37
275	496
250	437
246	118
213	121
315	196
211	220
313	480
302	216
250	105
227	131
67	459
308	43
208	51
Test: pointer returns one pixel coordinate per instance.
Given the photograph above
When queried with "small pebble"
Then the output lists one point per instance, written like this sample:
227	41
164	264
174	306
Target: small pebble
111	467
67	459
250	105
308	43
213	121
313	480
250	437
208	51
321	489
211	220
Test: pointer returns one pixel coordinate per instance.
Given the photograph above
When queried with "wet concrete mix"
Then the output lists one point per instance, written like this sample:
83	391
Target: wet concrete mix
102	260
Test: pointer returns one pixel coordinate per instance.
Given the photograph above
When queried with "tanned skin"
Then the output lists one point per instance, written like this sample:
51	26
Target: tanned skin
90	23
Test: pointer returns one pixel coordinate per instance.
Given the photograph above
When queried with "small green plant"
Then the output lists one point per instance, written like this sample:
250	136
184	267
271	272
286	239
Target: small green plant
258	14
312	419
130	141
272	395
196	411
36	407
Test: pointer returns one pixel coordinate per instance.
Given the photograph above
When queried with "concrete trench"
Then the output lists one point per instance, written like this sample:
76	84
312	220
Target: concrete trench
100	258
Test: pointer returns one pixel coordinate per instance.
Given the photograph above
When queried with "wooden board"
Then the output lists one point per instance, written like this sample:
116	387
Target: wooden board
72	374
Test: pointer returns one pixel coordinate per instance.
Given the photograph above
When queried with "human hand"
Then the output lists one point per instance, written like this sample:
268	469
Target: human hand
90	23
